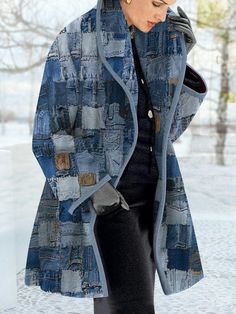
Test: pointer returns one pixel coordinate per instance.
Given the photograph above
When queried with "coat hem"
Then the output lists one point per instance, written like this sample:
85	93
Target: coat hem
41	282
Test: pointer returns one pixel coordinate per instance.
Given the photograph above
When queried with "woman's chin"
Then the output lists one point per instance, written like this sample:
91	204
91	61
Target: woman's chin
144	29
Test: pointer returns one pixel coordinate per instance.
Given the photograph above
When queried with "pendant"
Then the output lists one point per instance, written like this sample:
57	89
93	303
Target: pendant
132	31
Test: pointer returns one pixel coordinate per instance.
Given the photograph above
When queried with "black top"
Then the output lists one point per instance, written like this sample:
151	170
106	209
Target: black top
142	166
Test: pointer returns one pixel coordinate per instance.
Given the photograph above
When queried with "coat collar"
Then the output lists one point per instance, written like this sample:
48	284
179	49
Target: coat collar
113	33
113	39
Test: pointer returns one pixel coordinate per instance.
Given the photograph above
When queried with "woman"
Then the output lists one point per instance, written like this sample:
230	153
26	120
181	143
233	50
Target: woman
116	93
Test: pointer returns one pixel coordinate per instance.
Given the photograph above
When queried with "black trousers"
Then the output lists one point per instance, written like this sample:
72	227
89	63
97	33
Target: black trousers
125	243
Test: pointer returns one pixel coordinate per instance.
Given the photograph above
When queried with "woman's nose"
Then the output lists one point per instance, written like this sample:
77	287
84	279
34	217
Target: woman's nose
162	14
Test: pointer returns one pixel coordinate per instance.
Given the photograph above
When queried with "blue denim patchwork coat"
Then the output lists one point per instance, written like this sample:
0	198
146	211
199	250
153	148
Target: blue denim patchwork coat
85	131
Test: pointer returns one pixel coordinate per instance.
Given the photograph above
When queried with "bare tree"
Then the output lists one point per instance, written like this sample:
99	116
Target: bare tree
25	37
23	31
220	17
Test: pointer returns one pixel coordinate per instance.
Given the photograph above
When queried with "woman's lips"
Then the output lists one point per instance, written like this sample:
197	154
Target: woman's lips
151	24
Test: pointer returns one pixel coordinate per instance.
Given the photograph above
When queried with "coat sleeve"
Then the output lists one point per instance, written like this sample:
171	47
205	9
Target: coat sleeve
53	141
192	94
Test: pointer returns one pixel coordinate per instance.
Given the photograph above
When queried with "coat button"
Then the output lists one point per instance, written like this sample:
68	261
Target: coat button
150	114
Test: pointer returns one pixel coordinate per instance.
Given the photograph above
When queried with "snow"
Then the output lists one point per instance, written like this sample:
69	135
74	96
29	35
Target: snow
211	194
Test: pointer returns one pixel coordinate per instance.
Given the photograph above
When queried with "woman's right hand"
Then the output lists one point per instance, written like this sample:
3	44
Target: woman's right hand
108	197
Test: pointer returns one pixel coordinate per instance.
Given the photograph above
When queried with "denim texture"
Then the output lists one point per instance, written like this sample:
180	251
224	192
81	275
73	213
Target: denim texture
85	131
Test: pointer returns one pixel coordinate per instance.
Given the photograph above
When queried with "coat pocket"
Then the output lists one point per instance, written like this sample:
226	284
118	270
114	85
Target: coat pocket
105	211
107	200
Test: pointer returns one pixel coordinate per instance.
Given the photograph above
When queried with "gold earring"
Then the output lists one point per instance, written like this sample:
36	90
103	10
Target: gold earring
128	1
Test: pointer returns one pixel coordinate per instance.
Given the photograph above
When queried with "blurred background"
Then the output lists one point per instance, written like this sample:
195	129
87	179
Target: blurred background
206	151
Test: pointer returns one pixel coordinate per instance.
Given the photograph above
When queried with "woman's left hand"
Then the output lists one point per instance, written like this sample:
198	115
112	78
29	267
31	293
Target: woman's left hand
182	23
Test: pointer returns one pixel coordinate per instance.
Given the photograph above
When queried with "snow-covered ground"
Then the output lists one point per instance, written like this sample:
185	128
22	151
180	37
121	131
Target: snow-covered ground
212	198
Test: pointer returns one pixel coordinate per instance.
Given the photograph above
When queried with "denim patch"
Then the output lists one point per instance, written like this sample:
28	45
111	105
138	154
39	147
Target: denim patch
92	278
172	87
73	41
172	166
63	143
52	69
174	45
157	65
175	184
53	52
72	114
114	161
86	162
53	185
70	281
42	99
91	70
62	161
148	43
72	257
188	105
113	47
68	187
50	258
62	43
48	206
175	275
34	241
88	48
163	241
33	261
112	140
41	123
74	234
178	259
49	233
179	126
60	120
99	159
89	260
157	119
160	93
176	212
64	215
71	91
87	178
179	236
175	66
128	73
47	163
57	93
113	117
92	118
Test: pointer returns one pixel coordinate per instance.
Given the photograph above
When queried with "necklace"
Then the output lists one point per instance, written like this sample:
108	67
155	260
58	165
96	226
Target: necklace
132	31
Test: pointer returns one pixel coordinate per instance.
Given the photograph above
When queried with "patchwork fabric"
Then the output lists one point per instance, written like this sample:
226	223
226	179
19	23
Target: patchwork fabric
85	131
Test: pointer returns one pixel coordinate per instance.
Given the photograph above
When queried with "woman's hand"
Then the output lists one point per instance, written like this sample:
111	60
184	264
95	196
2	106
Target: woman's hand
107	199
182	24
